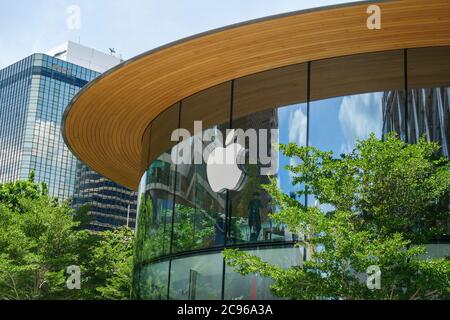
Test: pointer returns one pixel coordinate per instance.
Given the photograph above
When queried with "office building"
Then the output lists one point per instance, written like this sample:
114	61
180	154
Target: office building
34	93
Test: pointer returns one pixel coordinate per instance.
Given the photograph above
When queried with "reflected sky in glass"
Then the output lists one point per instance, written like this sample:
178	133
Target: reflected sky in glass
337	123
293	128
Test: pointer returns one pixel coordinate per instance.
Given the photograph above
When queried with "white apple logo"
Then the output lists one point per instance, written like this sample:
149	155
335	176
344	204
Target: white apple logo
222	167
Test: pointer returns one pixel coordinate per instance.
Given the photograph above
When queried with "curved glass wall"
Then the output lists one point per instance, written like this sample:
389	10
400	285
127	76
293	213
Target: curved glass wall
199	211
188	212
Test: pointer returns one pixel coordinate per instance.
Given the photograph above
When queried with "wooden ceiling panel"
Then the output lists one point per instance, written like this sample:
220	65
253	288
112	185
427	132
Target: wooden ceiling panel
355	74
429	67
270	89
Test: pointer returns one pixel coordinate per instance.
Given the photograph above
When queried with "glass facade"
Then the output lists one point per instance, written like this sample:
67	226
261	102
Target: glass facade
185	220
34	93
15	97
40	87
110	205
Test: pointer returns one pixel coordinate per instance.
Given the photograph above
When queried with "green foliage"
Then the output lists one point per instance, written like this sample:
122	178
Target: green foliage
11	193
378	206
153	237
112	263
192	228
37	243
40	238
82	216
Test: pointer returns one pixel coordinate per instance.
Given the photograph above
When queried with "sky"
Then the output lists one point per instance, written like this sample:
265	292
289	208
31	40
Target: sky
129	26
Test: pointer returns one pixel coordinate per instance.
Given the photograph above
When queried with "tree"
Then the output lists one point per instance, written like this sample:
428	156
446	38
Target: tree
12	193
41	237
377	206
112	264
38	241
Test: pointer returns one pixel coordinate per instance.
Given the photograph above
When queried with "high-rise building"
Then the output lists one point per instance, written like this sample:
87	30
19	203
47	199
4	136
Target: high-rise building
34	92
109	204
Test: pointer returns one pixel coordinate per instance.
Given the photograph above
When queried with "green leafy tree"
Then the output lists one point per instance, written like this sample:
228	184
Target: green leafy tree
377	206
38	241
192	228
40	237
82	216
112	264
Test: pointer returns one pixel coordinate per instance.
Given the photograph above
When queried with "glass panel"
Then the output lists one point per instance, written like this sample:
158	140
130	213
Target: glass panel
353	97
254	286
269	108
156	192
429	97
197	278
154	280
200	212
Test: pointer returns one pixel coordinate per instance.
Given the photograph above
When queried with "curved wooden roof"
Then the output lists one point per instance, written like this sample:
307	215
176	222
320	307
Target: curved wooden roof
105	123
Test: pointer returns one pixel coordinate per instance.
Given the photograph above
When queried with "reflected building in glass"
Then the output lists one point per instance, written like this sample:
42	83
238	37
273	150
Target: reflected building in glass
317	86
428	113
34	94
109	204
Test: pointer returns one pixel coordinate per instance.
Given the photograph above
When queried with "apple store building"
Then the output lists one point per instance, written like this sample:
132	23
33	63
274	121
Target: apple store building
158	123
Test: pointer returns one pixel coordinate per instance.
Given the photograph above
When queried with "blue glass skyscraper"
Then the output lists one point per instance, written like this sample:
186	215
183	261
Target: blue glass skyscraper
34	93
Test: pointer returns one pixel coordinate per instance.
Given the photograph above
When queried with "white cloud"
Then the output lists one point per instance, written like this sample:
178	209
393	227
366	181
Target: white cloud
297	132
359	116
297	127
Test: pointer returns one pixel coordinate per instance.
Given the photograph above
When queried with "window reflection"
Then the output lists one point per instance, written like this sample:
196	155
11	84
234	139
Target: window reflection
153	283
429	95
156	192
196	278
252	206
337	123
350	98
199	211
355	96
254	286
270	100
155	209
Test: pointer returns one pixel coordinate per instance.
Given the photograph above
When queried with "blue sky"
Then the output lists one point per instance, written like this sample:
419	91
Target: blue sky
129	26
